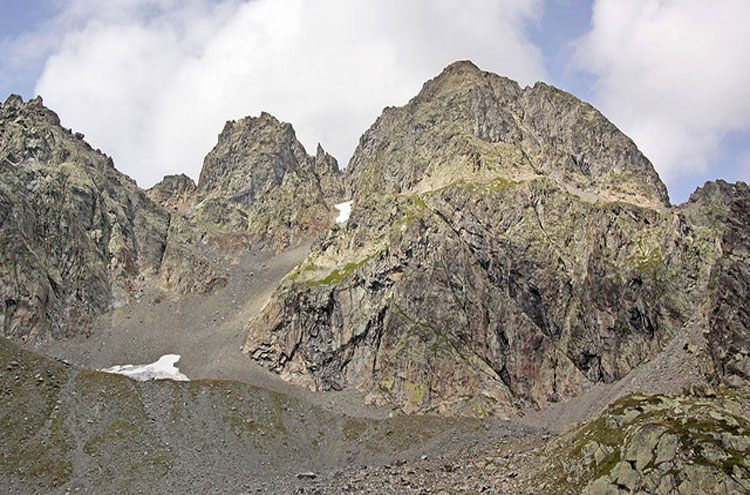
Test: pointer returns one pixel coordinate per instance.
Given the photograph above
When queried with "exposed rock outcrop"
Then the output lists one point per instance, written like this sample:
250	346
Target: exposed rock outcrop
507	247
76	235
469	123
79	237
258	187
189	266
729	317
653	444
174	192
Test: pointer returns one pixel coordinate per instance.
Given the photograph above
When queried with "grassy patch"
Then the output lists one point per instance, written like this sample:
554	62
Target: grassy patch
339	274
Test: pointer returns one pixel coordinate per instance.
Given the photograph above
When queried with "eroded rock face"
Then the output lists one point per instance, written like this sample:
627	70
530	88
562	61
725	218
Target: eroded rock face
259	187
467	122
729	317
76	235
478	298
174	192
189	266
481	270
80	238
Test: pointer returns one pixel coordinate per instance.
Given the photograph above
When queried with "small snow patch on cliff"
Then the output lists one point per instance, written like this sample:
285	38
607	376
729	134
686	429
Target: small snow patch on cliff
345	210
164	368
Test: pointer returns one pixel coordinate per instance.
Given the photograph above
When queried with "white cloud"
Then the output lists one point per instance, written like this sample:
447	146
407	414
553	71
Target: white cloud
152	81
674	75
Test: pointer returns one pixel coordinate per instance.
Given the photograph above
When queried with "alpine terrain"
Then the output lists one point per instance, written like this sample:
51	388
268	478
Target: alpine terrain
512	306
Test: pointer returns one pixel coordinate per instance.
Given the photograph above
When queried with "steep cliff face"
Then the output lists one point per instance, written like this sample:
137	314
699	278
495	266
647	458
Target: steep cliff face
76	235
188	265
259	187
510	293
507	247
729	314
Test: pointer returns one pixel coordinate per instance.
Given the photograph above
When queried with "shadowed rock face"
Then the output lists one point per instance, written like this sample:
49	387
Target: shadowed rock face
75	234
729	318
486	266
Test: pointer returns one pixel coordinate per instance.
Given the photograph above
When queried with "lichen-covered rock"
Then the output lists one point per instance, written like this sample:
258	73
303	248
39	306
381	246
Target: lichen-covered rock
76	235
187	266
258	187
79	238
506	292
729	318
469	122
174	192
478	272
332	183
656	445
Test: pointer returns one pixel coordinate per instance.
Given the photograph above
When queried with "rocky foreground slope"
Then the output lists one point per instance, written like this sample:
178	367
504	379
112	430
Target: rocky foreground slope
507	249
66	430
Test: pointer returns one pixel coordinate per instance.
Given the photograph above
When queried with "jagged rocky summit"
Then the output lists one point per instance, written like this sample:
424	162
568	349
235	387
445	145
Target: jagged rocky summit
467	124
507	248
78	238
259	186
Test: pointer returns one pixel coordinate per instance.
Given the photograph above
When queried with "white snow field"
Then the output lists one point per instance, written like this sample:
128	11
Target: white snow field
345	209
162	369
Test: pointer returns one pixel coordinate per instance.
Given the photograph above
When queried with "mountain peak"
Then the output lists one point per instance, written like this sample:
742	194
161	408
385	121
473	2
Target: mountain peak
34	108
13	100
467	124
259	183
462	76
174	192
69	211
251	155
462	66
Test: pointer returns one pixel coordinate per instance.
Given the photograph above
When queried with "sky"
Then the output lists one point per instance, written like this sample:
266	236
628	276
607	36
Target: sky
152	82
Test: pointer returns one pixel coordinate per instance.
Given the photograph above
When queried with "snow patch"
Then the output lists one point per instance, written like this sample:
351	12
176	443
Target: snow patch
162	369
345	209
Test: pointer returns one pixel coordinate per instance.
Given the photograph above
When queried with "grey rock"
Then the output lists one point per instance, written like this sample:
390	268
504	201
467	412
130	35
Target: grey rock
76	235
473	120
174	192
258	187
